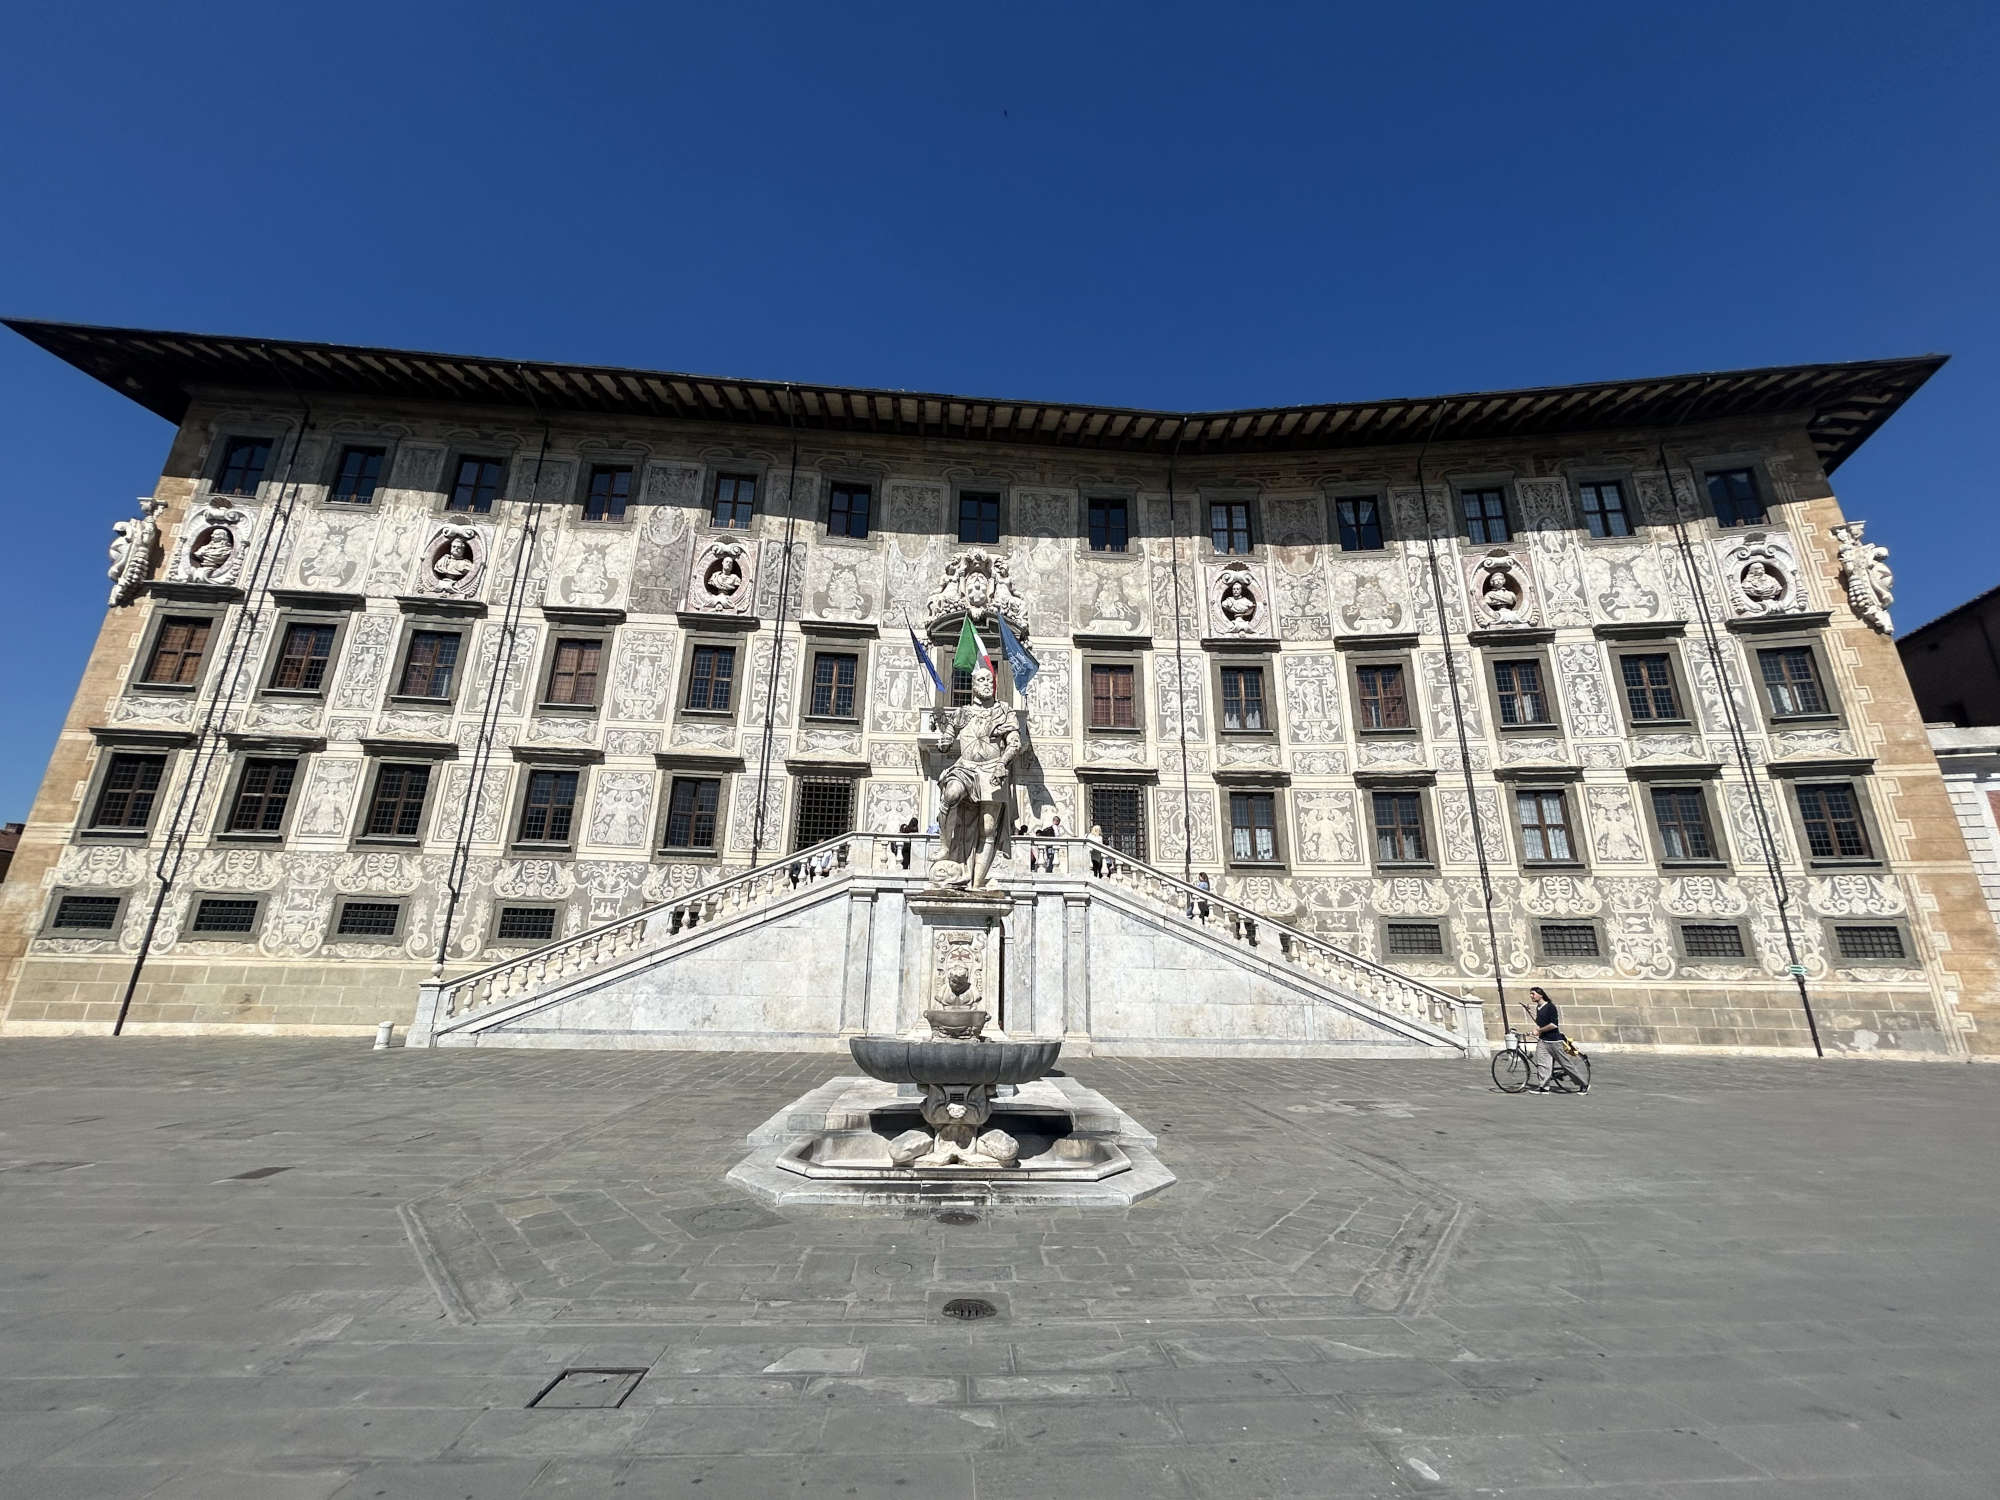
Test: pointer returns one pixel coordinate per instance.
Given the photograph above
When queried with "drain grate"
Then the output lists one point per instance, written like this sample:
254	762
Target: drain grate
255	1174
957	1216
576	1389
969	1309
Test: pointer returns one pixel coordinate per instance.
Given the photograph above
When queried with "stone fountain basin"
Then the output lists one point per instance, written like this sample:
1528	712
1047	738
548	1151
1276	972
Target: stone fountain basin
1049	1150
895	1059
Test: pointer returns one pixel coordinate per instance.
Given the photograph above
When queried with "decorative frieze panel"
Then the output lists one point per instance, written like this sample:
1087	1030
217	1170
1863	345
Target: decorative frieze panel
323	811
1320	762
1624	582
1327	830
1587	698
1049	694
1110	598
1312	697
772	575
760	696
140	709
620	808
1169	839
642	680
1369	597
887	805
665	540
845	585
1175	683
1616	836
1550	526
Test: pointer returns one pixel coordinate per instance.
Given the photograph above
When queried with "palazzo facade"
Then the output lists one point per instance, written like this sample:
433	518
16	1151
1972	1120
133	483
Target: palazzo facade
413	655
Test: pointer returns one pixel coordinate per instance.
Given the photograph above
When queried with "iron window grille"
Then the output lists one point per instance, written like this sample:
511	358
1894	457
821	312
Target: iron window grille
961	686
1869	942
87	913
847	510
359	474
1712	940
1253	826
1791	678
1524	702
1485	516
826	810
1569	940
224	914
1360	524
1112	705
1604	512
178	648
476	486
733	501
549	807
243	463
525	924
833	684
302	659
262	796
1243	698
1384	703
1229	526
1399	829
1832	820
978	516
1110	527
573	673
1733	493
1414	939
711	679
430	664
1544	820
368	919
126	795
1681	813
609	492
1120	812
691	812
1649	688
397	808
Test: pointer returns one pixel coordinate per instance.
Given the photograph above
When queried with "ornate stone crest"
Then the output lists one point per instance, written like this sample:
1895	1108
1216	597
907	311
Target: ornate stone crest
132	543
1502	592
978	586
1760	574
1238	601
721	579
453	564
216	539
1864	569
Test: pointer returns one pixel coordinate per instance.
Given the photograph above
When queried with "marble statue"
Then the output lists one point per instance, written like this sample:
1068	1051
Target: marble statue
1760	575
1500	595
1864	568
216	536
1238	608
719	582
972	790
453	563
978	586
132	549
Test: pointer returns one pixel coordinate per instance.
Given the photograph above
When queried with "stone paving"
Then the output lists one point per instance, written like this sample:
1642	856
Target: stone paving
296	1270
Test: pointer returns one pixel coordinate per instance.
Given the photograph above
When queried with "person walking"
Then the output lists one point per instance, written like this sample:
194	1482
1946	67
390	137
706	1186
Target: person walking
1548	1041
1202	885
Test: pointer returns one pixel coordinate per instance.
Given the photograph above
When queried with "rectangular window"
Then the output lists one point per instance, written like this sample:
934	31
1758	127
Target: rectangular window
476	486
1682	815
609	493
1383	703
847	510
1569	940
1110	530
1119	812
1253	826
711	680
1399	829
1229	526
1869	942
826	810
525	924
360	472
1414	939
1733	493
1604	512
262	795
1832	821
1523	701
978	516
833	684
1485	516
1360	524
691	810
397	809
1649	688
86	914
224	914
302	659
549	807
125	797
1791	680
1243	698
1111	702
177	651
734	499
429	667
573	673
1544	819
368	919
243	461
961	687
1712	940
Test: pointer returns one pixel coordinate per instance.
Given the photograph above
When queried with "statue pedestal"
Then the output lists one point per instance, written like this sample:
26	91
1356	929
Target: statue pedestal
958	927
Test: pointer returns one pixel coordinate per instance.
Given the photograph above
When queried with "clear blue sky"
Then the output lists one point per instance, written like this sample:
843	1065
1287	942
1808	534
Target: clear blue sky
1151	205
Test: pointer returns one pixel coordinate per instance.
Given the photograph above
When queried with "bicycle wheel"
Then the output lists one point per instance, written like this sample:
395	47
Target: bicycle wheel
1573	1074
1510	1071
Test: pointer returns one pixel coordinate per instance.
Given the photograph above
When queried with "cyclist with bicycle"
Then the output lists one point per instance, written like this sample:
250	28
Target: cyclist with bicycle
1548	1041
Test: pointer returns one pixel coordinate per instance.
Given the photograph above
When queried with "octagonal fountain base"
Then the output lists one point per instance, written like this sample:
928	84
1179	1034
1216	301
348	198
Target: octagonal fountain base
832	1147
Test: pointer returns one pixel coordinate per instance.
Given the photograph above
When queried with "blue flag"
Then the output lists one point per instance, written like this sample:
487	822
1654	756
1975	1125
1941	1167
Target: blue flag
924	656
1024	666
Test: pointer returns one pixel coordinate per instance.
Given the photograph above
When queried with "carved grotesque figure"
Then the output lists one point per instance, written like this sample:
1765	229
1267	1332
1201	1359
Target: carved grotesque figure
973	789
1864	569
132	549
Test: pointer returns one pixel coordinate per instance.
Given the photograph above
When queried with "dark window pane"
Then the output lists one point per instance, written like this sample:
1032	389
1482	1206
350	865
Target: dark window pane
825	811
1253	824
978	516
1360	525
243	461
1869	942
1399	828
1120	812
525	924
177	650
1109	529
1604	510
428	669
1682	815
224	914
1712	940
397	809
1519	687
86	914
360	471
368	919
610	490
1832	821
961	687
691	809
1414	939
847	510
1733	493
1791	678
833	685
1569	940
573	673
734	499
125	798
1229	526
1383	702
548	809
1111	702
302	659
711	679
1544	818
1649	688
1485	516
1243	698
261	795
477	485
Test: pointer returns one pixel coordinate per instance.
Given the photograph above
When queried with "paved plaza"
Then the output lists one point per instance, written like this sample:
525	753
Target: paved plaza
297	1270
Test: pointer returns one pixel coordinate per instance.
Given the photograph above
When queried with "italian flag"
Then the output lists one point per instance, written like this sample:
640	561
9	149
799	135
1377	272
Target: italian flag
970	653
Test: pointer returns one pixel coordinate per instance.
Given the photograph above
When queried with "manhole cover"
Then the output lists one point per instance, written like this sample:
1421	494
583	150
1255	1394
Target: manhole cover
957	1216
968	1309
587	1388
724	1218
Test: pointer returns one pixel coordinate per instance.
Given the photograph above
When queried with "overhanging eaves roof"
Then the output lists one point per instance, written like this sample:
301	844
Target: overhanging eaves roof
161	371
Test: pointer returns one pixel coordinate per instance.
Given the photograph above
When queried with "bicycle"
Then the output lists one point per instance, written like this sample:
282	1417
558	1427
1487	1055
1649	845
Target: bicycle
1514	1066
